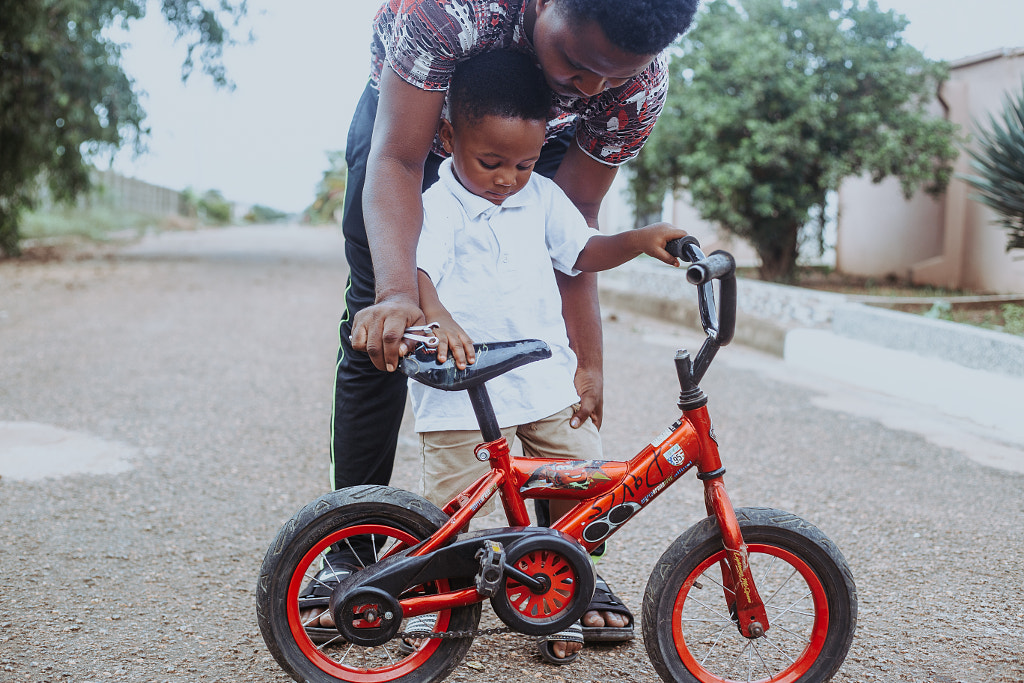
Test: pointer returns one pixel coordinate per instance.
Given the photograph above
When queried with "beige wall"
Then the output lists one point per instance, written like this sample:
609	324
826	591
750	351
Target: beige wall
953	241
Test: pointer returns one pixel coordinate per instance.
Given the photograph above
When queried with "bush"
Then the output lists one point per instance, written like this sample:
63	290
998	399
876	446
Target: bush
999	161
214	208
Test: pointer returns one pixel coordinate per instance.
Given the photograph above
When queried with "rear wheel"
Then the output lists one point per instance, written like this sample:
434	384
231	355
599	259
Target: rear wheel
690	627
363	524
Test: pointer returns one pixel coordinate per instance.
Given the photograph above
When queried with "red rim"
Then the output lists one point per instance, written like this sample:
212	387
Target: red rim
382	674
552	602
818	629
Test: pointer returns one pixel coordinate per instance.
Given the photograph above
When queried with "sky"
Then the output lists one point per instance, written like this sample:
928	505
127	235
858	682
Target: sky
297	85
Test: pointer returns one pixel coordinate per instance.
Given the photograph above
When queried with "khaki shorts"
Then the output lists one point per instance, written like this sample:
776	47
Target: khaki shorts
450	466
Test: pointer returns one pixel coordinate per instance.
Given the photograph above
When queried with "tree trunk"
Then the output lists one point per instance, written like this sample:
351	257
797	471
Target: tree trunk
778	254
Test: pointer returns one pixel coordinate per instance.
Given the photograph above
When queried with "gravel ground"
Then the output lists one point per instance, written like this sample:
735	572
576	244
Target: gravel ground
215	367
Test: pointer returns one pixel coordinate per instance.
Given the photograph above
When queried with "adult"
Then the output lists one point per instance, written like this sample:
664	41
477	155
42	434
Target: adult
603	60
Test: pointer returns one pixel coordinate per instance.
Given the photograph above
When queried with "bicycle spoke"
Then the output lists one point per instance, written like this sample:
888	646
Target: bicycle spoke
786	630
711	609
345	656
777	648
315	617
718	583
768	569
772	597
767	669
789	608
718	638
323	646
355	554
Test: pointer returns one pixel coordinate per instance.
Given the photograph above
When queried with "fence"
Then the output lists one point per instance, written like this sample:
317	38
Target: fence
116	191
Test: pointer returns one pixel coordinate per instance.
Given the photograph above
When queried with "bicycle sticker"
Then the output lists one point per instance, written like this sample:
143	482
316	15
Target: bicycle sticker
572	475
661	438
675	455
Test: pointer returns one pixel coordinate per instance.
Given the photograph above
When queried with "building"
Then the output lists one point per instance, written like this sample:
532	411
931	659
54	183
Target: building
951	241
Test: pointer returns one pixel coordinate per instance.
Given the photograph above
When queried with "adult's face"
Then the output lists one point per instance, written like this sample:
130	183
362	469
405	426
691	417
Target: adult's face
576	56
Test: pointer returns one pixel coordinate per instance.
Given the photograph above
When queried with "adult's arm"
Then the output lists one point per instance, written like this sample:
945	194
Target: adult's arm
585	181
406	122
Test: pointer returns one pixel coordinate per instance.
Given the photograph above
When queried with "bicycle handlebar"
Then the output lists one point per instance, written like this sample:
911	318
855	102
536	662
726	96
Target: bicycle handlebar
720	266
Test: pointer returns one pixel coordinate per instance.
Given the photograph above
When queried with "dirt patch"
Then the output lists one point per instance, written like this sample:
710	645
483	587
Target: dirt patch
998	312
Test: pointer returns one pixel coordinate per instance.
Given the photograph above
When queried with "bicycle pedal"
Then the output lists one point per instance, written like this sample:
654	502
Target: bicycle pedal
491	557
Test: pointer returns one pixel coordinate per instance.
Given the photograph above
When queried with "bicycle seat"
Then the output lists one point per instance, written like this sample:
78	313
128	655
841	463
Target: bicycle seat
492	359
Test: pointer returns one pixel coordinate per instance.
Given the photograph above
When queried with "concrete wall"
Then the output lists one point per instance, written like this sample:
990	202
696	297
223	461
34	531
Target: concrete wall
953	241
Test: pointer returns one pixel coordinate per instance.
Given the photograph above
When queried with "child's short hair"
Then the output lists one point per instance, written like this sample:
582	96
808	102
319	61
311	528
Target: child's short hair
501	83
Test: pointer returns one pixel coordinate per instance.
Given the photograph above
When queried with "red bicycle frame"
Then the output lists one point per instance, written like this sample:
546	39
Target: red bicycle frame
609	493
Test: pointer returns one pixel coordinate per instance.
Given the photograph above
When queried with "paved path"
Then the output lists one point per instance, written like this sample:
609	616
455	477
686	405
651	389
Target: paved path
205	360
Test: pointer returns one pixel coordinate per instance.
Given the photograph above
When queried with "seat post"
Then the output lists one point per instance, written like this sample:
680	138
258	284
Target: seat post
484	413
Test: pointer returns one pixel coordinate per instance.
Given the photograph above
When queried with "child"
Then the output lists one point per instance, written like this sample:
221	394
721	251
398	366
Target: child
492	234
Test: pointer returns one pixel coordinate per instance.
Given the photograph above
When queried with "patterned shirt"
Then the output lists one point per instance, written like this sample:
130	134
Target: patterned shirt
423	40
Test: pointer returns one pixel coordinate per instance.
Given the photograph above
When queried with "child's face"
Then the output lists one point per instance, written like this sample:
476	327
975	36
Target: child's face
493	157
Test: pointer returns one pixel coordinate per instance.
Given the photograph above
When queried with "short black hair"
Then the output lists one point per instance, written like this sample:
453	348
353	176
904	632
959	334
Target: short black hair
501	83
643	27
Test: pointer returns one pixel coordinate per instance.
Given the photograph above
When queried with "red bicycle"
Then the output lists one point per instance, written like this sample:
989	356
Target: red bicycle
745	594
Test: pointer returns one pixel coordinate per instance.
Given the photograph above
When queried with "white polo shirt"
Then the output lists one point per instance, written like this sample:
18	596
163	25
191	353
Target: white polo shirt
493	267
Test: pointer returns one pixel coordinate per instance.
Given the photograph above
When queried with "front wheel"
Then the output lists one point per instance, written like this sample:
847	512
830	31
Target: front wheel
345	531
689	617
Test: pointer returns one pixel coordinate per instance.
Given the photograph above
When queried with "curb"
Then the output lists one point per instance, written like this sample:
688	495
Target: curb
768	313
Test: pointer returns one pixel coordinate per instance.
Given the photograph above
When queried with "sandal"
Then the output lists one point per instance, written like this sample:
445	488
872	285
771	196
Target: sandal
317	594
606	601
545	644
423	623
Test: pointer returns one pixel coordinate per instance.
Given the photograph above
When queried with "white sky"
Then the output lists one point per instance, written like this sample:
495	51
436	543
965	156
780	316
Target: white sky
297	85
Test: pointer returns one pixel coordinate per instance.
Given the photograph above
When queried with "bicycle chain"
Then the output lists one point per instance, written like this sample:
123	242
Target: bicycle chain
450	635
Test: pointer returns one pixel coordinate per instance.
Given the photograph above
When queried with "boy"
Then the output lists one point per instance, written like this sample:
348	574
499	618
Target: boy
492	231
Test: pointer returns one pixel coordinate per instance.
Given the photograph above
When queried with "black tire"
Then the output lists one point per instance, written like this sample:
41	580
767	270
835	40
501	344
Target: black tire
812	604
394	517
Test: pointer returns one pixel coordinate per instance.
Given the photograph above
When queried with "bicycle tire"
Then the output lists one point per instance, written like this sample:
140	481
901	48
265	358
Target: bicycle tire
389	515
691	635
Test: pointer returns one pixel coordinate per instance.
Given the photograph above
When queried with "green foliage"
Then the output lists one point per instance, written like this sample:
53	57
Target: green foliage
264	214
774	102
214	209
96	223
999	161
1013	319
64	98
330	192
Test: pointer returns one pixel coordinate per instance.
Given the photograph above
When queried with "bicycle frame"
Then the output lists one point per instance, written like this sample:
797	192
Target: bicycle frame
609	493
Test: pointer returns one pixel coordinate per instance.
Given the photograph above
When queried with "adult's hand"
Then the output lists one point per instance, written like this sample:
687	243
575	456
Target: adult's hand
378	330
590	387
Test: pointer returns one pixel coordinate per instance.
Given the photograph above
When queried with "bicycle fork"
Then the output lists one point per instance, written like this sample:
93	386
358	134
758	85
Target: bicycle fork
741	594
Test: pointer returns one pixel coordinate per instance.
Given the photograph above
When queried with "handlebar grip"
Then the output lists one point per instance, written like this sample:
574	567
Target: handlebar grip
683	247
717	266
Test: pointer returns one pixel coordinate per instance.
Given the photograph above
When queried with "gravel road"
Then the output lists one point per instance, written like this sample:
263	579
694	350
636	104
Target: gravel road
208	359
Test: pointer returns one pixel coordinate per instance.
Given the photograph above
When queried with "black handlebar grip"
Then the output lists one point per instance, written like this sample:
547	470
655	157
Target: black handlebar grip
717	266
677	247
726	310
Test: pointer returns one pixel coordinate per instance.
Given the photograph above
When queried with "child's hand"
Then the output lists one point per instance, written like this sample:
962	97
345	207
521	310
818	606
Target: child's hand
654	238
452	339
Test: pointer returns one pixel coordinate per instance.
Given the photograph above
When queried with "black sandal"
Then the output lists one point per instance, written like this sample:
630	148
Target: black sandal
606	601
317	595
545	644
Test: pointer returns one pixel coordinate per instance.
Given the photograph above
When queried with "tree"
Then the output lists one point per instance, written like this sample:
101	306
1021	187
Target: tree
773	102
999	161
64	97
330	192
